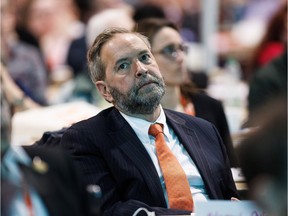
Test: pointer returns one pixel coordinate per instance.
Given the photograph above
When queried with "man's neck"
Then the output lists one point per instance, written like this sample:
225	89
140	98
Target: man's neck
148	117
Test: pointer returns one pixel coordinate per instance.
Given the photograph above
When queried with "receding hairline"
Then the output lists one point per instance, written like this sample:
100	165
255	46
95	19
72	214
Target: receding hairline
130	34
136	34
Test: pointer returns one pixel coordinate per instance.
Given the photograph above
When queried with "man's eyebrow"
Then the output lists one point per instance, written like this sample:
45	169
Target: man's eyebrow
143	52
127	58
121	60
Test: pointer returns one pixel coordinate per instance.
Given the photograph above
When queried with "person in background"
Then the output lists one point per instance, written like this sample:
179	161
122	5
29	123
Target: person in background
263	157
114	149
54	24
144	11
21	9
38	181
22	61
14	95
181	95
274	41
117	17
268	83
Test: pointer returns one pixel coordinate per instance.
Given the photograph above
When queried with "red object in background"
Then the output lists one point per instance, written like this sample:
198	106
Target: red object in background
270	51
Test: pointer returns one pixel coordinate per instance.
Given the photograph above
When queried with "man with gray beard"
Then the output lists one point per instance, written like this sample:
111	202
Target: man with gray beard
116	152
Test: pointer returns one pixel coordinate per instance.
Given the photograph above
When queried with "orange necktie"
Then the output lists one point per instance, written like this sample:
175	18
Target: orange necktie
177	185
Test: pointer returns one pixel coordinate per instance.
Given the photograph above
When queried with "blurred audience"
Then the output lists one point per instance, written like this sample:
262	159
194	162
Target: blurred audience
21	7
23	61
55	24
116	17
274	41
267	83
171	8
85	9
102	5
143	11
242	29
15	96
37	181
76	56
263	157
261	9
88	8
181	95
190	28
185	13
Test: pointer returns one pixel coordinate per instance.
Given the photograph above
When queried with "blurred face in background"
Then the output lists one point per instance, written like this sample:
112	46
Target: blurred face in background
8	18
169	52
101	5
42	17
8	24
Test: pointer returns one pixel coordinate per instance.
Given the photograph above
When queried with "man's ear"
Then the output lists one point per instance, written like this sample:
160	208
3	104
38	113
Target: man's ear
104	91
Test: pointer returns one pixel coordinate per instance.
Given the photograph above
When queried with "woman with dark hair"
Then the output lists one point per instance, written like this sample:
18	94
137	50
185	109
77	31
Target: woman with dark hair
169	52
273	42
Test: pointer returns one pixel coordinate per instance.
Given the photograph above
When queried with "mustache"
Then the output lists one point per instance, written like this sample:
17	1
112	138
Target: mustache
148	79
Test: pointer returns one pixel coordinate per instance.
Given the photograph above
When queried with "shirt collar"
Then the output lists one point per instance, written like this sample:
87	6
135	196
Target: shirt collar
141	125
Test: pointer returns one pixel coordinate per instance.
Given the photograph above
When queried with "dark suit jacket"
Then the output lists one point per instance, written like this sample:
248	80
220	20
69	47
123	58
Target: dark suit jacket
111	155
212	110
60	188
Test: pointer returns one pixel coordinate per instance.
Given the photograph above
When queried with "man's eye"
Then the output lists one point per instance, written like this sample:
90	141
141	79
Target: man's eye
145	57
123	66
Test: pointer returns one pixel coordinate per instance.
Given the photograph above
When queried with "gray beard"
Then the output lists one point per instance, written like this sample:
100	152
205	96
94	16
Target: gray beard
137	100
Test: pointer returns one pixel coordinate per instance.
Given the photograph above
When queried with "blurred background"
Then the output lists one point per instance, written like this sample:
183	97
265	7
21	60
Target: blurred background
44	45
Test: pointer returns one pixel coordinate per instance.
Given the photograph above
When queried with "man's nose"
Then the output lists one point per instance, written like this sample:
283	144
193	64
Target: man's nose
141	68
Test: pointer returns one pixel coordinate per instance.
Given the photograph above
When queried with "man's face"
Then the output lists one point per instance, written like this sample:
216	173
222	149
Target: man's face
133	82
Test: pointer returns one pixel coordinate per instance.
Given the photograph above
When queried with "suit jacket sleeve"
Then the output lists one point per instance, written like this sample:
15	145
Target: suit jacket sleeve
61	187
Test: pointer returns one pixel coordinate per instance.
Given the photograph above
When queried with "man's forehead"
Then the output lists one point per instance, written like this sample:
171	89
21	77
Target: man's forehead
123	45
125	38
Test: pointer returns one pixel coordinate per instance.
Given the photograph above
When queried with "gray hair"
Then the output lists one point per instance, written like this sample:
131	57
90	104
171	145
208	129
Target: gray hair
96	66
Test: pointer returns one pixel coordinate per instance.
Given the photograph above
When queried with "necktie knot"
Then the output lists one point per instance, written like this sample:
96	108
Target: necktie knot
155	129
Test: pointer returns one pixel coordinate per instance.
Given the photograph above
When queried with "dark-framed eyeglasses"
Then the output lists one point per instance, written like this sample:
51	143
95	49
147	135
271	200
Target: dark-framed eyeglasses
171	51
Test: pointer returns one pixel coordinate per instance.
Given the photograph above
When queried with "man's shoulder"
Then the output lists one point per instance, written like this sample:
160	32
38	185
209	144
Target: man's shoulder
55	156
183	118
35	150
100	117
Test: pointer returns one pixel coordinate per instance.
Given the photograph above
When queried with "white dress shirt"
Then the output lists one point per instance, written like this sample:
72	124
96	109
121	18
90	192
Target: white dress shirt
141	128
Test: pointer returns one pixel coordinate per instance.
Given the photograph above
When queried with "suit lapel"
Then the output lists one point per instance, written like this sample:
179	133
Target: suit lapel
188	137
126	139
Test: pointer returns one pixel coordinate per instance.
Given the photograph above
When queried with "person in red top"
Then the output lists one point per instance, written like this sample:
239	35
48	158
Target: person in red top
274	41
